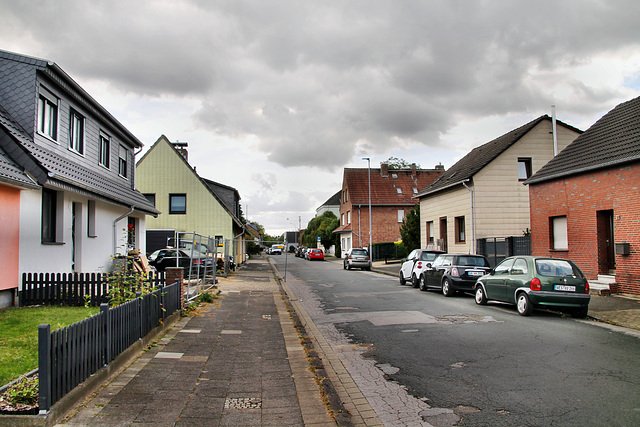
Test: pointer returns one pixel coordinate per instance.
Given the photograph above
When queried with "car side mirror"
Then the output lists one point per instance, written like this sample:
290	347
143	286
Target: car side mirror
428	265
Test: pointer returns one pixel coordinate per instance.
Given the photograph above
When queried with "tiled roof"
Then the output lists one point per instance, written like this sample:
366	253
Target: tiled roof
384	189
343	229
10	173
333	200
47	166
612	140
481	156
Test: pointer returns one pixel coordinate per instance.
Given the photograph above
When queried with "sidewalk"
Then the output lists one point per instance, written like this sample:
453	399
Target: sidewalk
238	362
618	309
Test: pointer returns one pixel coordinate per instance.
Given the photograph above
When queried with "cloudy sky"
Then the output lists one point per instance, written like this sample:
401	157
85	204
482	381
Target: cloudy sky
275	98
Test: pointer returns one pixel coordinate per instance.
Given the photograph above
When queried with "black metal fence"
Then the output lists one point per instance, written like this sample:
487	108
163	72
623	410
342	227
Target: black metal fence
71	288
498	248
69	355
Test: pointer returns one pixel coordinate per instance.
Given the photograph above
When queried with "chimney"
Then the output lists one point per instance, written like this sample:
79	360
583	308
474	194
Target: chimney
384	170
413	169
440	167
182	149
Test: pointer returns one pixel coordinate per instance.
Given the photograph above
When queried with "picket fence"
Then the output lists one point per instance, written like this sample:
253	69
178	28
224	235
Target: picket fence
68	356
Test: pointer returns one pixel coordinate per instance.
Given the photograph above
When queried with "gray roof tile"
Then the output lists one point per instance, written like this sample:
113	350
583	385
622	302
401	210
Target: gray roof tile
612	140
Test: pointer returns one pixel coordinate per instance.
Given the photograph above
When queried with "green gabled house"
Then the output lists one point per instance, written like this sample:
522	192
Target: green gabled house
187	202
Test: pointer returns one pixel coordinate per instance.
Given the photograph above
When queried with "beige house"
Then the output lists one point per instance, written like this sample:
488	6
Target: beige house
483	195
187	202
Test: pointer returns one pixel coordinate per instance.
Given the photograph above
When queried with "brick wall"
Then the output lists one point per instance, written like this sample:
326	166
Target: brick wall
580	198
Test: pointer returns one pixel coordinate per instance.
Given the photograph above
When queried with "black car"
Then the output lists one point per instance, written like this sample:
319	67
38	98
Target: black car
170	257
454	272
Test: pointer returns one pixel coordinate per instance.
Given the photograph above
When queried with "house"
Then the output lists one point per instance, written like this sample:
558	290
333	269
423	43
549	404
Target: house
68	175
392	192
482	195
188	202
585	203
332	204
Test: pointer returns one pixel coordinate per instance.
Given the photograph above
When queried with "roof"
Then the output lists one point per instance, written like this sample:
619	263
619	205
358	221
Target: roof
12	175
481	156
611	141
343	229
384	188
333	200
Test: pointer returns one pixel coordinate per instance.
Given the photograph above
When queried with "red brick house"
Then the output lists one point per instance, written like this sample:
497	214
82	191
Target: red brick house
392	192
585	203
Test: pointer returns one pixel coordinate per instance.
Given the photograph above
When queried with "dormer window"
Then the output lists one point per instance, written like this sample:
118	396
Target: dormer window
76	132
524	168
48	114
122	163
105	150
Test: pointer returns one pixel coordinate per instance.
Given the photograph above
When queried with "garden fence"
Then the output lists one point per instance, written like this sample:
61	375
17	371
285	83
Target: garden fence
69	355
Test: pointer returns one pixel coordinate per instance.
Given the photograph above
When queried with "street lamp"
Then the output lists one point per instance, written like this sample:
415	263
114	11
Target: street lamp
370	242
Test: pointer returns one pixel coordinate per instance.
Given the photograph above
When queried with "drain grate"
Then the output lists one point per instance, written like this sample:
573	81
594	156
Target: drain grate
243	403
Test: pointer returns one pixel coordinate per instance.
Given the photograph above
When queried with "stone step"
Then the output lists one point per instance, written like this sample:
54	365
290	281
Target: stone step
597	287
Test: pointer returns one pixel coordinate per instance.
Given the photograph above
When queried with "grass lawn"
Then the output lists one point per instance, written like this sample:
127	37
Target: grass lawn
19	335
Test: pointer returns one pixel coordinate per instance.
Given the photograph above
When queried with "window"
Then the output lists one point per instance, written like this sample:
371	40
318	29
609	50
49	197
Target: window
460	235
151	198
48	114
91	218
105	150
394	175
219	241
123	156
399	190
415	190
400	215
341	219
345	197
131	232
348	217
503	267
49	216
76	132
177	203
430	234
519	267
524	168
559	240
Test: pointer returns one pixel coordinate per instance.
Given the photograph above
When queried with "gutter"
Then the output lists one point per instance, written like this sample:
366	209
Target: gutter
114	227
473	231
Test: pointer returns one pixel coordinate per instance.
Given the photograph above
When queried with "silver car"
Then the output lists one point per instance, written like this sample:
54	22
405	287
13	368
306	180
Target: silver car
357	258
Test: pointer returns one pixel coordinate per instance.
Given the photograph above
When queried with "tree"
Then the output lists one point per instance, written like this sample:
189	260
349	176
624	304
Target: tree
396	163
321	226
410	229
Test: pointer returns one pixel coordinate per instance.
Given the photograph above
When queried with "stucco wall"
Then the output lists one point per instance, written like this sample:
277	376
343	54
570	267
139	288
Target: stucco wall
9	229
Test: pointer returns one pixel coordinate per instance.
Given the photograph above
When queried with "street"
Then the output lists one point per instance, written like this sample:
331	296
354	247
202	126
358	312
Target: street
422	358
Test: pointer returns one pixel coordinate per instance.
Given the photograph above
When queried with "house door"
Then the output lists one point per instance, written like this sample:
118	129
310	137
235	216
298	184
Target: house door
606	246
76	227
443	233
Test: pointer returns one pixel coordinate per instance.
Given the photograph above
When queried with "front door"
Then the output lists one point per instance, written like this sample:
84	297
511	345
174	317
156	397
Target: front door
606	246
443	233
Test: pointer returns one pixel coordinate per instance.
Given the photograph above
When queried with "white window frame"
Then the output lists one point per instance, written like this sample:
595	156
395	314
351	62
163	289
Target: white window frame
48	117
400	215
104	150
76	131
123	161
559	235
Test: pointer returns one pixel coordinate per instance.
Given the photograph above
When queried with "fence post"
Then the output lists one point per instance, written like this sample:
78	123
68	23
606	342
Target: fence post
104	311
139	314
44	368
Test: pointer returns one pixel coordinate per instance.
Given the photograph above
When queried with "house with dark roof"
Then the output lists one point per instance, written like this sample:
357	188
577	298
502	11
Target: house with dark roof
482	195
188	202
332	204
67	163
585	203
392	192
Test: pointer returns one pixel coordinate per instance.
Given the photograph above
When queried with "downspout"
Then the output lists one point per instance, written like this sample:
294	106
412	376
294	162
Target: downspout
114	227
553	130
473	231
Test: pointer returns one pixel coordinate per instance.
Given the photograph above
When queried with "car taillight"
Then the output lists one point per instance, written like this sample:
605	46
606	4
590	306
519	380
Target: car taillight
419	264
535	284
454	272
350	256
586	287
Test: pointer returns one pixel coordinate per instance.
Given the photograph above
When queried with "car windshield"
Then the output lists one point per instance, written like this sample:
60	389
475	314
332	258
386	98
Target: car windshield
469	261
428	256
556	268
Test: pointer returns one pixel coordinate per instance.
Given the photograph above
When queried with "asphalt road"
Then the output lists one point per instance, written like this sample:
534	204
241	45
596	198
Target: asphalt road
478	366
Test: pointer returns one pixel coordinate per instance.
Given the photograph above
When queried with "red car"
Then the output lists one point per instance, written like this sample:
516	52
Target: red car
315	254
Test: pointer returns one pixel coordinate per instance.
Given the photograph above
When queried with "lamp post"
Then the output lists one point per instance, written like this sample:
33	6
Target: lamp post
370	242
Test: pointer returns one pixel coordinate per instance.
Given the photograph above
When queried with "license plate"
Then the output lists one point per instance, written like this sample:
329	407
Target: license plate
564	288
475	273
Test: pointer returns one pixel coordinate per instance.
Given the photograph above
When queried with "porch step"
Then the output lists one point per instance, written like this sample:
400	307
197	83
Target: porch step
599	288
606	278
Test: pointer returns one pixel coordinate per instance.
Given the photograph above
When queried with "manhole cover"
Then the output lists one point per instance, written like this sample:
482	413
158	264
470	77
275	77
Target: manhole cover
243	403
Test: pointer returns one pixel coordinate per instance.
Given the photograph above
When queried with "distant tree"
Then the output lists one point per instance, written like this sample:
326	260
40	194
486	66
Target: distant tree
410	229
396	163
321	226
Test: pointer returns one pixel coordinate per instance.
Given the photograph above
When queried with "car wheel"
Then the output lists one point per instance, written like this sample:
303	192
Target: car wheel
402	280
447	290
580	313
423	283
368	268
348	266
524	305
415	281
481	298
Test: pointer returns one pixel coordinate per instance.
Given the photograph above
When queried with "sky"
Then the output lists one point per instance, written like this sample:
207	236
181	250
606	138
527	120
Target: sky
276	98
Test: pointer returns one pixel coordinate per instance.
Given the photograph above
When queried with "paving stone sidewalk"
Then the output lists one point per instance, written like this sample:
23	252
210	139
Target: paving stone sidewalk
239	362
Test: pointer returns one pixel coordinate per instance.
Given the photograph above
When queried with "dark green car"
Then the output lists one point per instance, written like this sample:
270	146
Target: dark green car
530	282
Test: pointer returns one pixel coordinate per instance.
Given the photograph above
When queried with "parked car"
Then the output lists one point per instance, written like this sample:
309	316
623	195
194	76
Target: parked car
530	282
454	272
315	254
414	264
170	257
357	258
